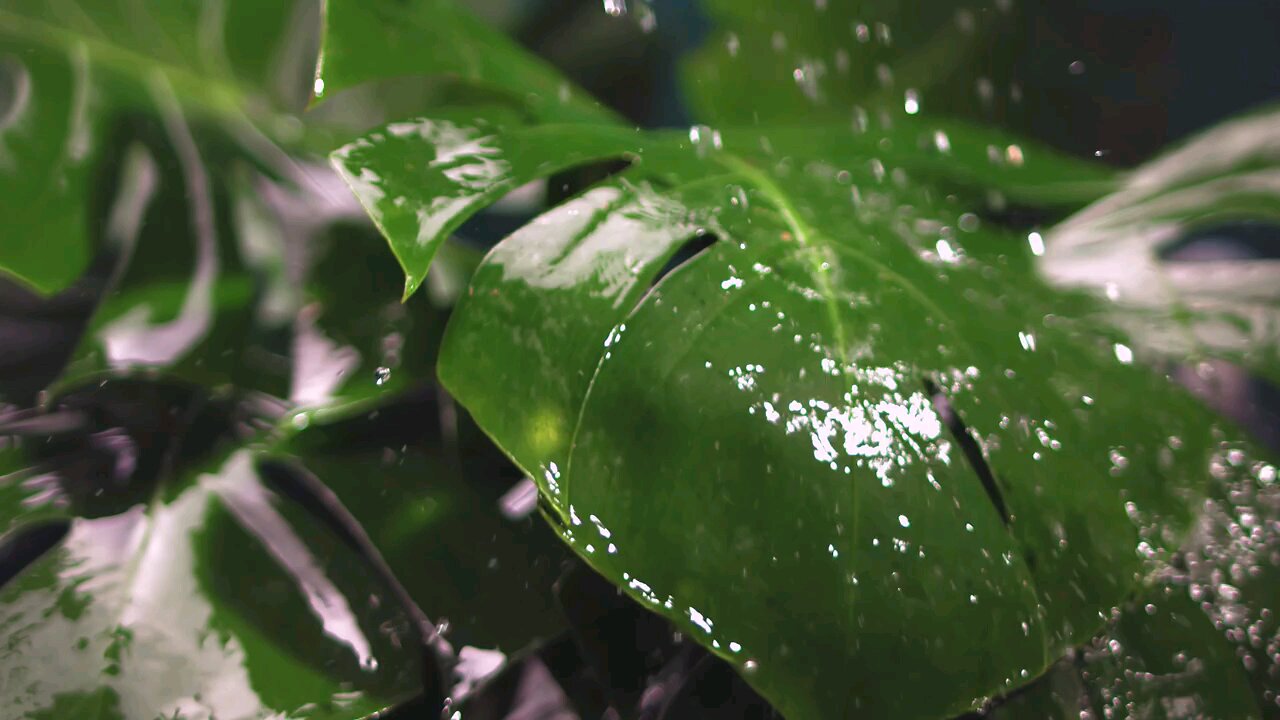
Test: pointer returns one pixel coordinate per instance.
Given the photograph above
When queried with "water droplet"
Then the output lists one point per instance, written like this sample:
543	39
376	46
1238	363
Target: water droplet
705	138
750	666
732	44
1036	241
615	8
904	521
1076	67
647	18
911	102
318	87
381	375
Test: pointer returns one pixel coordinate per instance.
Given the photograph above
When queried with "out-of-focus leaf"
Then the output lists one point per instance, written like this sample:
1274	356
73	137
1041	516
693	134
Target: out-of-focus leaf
771	436
1186	250
230	278
778	61
439	524
66	70
138	611
381	39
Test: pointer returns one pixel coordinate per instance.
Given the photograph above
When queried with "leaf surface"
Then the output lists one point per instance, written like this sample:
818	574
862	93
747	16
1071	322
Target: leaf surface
854	427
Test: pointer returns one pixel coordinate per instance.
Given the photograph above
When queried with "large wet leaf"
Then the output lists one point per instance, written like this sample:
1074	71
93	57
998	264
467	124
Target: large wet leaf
854	427
1186	249
128	614
193	567
68	69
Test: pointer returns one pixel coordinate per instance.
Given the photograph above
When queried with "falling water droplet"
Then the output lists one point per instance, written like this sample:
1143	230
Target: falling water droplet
911	102
647	18
732	44
1036	241
705	139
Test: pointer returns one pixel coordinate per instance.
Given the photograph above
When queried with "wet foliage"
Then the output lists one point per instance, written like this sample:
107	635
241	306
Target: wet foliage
849	399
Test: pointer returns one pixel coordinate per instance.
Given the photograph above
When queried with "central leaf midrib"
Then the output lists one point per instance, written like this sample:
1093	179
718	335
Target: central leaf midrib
805	234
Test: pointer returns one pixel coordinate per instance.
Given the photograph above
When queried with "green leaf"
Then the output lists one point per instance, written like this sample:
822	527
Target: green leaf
777	61
381	39
419	180
68	69
138	611
438	523
1220	188
1161	658
765	447
229	278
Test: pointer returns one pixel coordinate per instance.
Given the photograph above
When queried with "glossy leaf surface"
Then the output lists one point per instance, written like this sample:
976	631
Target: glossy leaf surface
763	446
127	617
194	579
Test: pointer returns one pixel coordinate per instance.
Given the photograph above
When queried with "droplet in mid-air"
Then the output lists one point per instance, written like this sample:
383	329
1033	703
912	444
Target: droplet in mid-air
911	102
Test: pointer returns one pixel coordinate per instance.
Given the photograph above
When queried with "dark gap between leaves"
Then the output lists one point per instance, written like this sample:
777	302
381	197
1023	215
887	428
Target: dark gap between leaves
972	453
22	547
692	248
503	218
689	251
1235	240
569	183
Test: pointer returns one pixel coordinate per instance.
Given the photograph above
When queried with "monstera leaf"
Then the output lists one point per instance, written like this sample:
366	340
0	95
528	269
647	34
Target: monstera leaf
853	426
169	553
146	505
70	71
1185	250
438	38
